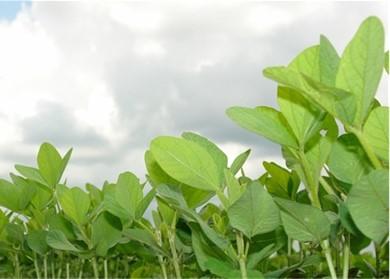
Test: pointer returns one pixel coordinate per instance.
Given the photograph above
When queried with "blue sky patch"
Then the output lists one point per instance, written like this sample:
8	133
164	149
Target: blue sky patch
9	9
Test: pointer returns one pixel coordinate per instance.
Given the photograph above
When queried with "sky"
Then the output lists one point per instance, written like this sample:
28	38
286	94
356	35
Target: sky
107	77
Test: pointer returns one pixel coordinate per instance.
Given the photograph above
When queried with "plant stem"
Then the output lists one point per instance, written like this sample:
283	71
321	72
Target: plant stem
81	269
95	269
175	259
67	271
105	269
53	274
45	266
160	257
241	251
36	266
289	244
328	256
313	189
327	187
17	266
367	147
346	257
377	260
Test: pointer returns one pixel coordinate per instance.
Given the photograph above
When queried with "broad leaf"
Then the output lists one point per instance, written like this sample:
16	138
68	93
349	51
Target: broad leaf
186	162
31	173
128	192
216	153
347	159
361	66
105	233
303	222
36	240
75	203
376	131
193	196
15	197
254	212
57	240
368	204
264	121
49	163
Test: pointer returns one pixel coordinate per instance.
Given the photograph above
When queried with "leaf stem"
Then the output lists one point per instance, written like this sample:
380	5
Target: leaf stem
377	260
105	269
95	269
45	266
36	266
172	245
242	251
346	257
328	256
81	269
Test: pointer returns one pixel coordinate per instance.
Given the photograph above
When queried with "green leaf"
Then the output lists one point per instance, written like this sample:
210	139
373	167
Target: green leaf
144	237
49	163
111	204
193	196
9	195
368	204
256	257
225	270
386	64
338	102
361	66
264	121
128	192
216	153
303	222
239	162
376	131
186	162
36	240
329	62
254	212
347	159
31	173
75	203
57	240
300	114
105	233
234	188
60	223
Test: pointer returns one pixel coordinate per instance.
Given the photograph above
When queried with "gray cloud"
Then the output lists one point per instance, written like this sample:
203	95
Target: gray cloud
199	61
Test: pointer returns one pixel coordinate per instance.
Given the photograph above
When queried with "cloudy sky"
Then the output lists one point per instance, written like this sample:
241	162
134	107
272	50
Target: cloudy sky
107	77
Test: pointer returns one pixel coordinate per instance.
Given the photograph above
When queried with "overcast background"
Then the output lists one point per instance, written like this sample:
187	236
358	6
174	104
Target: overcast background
107	77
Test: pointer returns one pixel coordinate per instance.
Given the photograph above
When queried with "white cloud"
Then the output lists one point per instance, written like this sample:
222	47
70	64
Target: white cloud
107	77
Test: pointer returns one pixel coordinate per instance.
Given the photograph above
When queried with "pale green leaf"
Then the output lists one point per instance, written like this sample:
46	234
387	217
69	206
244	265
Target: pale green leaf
239	161
264	121
303	222
186	162
361	66
57	240
128	192
254	212
368	204
75	203
376	131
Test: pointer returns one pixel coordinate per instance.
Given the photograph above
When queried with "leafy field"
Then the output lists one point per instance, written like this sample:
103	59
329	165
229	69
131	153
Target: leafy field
323	215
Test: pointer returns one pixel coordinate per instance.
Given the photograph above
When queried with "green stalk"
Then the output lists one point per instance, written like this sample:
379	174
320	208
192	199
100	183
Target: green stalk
377	260
160	257
328	256
45	266
17	266
53	273
289	244
346	257
313	189
67	271
241	251
105	269
172	245
117	267
95	269
81	269
36	266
